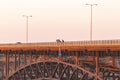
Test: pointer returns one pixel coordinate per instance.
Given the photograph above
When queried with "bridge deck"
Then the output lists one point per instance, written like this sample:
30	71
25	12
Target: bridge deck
77	45
101	58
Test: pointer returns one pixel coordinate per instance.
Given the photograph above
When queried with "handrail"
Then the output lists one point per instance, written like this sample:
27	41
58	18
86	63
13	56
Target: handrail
70	43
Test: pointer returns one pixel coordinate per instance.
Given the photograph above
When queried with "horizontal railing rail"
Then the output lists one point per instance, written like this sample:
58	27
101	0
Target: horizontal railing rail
68	43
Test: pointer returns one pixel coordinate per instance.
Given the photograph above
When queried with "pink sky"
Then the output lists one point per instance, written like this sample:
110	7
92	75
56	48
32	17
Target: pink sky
53	19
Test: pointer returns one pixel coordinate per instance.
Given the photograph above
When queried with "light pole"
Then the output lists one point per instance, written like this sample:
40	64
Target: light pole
91	6
26	16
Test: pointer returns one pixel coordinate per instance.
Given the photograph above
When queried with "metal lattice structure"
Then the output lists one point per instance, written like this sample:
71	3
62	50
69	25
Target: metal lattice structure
52	70
85	60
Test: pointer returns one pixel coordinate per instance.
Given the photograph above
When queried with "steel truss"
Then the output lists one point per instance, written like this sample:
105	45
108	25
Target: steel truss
52	70
72	65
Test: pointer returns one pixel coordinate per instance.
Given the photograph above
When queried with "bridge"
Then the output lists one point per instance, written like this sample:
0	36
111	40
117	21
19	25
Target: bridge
73	60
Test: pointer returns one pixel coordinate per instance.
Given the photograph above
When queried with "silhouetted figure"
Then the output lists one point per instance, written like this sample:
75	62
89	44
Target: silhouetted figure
63	41
58	41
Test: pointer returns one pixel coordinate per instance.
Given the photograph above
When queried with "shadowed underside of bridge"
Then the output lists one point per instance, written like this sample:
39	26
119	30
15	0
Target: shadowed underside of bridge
51	70
90	60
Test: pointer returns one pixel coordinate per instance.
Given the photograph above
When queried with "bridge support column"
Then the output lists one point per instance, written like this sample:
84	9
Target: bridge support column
18	59
113	61
30	57
97	63
6	65
25	62
76	58
15	58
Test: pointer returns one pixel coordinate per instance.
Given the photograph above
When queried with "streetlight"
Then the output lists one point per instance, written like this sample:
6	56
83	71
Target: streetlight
26	16
91	5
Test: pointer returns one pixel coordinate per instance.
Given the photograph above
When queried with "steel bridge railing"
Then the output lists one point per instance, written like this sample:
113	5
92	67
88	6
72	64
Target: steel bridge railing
69	43
79	43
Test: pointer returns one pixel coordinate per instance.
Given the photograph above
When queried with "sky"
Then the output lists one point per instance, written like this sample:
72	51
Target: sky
58	19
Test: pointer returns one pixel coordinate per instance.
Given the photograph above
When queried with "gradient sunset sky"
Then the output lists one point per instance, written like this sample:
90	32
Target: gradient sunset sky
63	19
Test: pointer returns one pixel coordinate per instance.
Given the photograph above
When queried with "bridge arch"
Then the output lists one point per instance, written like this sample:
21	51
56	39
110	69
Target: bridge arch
52	70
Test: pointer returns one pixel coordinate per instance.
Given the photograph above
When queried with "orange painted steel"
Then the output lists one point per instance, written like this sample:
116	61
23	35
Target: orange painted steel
51	61
96	58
